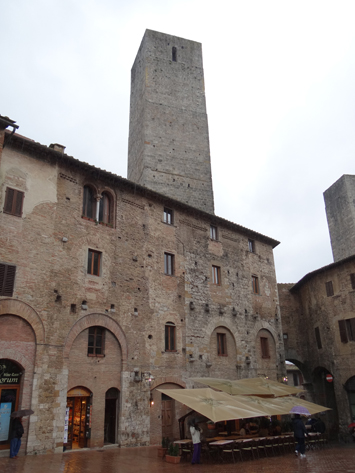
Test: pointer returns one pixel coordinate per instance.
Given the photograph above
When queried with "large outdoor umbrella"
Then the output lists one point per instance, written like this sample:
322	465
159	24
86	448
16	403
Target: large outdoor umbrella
232	387
214	405
250	386
282	405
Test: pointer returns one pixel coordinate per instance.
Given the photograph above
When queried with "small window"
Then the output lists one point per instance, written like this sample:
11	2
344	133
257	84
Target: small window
174	54
350	328
94	262
170	337
216	275
96	341
329	288
105	208
255	284
169	264
221	344
352	280
168	216
213	232
342	331
7	279
251	246
318	339
264	343
89	203
13	202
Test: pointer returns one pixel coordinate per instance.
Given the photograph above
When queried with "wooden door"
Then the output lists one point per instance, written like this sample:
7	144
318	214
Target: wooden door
167	414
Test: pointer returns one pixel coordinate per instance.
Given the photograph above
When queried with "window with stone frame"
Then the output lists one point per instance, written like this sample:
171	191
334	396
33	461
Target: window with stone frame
94	262
222	344
329	288
255	284
170	336
168	216
347	330
251	246
13	202
216	275
264	344
213	232
106	209
89	203
7	279
96	341
169	264
318	339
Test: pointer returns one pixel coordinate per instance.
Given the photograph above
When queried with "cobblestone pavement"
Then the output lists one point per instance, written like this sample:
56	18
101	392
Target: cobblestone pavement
335	459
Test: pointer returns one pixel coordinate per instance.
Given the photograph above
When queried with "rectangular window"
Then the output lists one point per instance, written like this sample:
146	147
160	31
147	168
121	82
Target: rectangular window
213	232
13	202
216	275
7	279
251	246
170	337
342	331
329	288
352	280
221	344
255	284
319	341
96	341
168	216
264	344
295	379
94	262
169	264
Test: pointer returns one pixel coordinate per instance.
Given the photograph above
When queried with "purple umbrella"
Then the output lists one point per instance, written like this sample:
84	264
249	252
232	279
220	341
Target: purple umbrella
303	411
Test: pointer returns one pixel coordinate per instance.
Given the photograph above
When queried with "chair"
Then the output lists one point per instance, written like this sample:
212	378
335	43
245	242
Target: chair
237	450
226	451
248	447
269	445
186	451
261	446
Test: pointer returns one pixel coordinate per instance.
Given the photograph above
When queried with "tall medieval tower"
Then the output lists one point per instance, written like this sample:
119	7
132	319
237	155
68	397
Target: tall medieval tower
169	148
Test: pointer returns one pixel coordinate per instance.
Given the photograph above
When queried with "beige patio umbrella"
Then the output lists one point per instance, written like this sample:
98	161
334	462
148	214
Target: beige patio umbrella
232	387
215	405
250	386
281	405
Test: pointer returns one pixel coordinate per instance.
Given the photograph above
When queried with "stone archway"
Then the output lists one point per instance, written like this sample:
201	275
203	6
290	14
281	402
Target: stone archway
101	320
25	311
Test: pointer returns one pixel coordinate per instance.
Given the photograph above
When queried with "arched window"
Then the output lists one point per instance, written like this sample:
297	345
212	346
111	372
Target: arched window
170	335
105	209
89	203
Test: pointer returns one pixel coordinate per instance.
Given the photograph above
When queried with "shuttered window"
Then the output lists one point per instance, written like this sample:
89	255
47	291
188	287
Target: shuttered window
105	208
329	288
347	330
264	343
352	280
222	344
170	337
7	279
169	264
13	202
342	330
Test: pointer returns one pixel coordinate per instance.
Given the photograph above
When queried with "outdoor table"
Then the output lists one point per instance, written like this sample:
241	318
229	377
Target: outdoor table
182	442
220	444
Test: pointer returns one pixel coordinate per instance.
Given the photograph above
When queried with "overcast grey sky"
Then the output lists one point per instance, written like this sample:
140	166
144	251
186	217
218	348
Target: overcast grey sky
280	97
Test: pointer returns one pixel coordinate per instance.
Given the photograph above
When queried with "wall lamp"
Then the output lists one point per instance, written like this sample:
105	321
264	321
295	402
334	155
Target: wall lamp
143	376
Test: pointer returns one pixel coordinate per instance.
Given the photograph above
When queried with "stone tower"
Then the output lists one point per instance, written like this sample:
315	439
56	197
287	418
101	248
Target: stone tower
169	148
340	208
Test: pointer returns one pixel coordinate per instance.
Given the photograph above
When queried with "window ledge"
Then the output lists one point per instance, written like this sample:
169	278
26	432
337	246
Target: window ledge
96	356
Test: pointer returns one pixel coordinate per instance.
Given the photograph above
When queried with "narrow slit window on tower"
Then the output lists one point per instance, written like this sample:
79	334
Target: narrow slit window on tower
174	51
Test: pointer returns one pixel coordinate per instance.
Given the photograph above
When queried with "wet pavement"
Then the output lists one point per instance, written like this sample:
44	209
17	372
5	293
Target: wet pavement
334	459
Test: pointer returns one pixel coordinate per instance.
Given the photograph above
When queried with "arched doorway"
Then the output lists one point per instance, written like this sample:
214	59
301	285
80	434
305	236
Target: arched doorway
10	378
350	388
324	395
77	427
111	411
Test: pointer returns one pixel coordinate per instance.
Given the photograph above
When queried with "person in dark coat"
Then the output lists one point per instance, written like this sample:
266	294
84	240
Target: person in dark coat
299	431
16	433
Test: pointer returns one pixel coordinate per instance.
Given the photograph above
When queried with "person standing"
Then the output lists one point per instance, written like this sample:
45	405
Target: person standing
196	440
300	432
15	436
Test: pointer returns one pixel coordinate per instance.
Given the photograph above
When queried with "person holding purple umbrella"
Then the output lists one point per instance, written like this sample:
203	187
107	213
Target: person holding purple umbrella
15	436
300	432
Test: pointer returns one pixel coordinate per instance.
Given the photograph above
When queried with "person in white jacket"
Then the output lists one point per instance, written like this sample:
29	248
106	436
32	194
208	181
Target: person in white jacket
196	440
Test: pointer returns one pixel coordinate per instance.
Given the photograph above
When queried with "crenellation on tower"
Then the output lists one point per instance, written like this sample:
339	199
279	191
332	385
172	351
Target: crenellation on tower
169	148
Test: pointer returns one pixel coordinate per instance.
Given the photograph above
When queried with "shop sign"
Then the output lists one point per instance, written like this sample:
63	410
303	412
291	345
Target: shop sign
9	372
329	378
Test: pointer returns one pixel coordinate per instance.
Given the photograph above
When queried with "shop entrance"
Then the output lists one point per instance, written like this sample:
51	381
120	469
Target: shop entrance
111	415
77	418
10	375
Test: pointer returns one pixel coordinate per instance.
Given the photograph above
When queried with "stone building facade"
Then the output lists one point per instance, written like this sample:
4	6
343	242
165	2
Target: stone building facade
111	290
319	321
